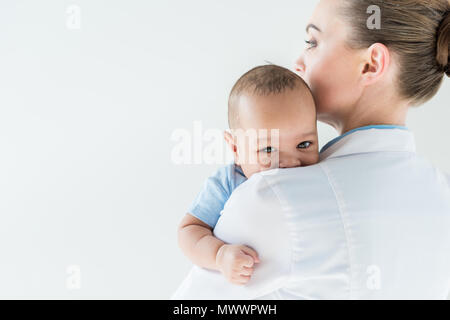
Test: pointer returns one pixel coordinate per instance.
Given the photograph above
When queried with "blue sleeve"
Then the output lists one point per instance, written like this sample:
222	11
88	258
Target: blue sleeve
210	201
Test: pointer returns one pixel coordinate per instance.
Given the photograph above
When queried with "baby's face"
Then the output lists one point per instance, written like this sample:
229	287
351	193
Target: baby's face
292	114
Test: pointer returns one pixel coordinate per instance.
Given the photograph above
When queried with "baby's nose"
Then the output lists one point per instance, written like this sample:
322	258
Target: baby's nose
290	163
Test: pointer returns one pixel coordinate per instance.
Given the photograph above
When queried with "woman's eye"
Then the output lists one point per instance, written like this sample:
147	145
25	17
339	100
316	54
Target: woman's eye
268	149
304	145
311	44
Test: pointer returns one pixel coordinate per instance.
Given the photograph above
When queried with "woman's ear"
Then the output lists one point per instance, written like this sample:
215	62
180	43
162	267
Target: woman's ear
377	60
231	142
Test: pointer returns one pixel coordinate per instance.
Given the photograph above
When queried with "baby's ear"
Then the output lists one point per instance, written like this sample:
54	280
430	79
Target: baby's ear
229	139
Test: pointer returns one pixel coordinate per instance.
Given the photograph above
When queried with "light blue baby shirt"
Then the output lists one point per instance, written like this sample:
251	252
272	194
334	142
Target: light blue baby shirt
211	200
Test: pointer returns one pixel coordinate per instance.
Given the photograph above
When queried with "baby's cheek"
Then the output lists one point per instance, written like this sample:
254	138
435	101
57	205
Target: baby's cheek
264	160
249	170
312	159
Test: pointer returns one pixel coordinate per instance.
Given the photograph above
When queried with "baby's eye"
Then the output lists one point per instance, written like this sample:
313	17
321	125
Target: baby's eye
304	145
268	150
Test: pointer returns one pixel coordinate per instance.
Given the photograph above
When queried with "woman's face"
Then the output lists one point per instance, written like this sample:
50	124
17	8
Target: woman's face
328	65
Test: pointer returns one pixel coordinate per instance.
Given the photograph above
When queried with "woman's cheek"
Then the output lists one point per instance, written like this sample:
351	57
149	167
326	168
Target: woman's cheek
330	82
315	70
318	80
309	69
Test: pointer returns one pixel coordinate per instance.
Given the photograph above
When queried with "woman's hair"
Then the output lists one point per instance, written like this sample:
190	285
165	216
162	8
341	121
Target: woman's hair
416	31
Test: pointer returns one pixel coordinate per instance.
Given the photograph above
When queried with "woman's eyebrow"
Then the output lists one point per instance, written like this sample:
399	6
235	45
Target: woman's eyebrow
312	26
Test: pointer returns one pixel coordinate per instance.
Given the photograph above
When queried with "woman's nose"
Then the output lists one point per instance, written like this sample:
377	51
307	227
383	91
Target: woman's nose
300	65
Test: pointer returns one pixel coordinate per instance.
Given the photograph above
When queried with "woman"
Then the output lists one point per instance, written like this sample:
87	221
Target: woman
372	219
375	75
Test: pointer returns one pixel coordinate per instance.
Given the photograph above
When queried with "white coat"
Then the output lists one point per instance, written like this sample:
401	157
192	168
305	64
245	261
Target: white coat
370	221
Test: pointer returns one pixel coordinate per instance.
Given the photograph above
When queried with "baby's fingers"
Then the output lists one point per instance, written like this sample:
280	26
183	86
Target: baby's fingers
246	271
241	280
250	252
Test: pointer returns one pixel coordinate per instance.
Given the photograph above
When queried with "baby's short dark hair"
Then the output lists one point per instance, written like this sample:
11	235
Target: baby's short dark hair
262	80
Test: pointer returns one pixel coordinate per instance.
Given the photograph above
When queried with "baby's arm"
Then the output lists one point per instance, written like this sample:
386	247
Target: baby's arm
197	242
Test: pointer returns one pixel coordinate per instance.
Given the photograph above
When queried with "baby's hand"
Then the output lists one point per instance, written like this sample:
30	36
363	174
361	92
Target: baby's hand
236	262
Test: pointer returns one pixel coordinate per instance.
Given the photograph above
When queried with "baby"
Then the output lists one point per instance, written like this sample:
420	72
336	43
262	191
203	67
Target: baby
265	100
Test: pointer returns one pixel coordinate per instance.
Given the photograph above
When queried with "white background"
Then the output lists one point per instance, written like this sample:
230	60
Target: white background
86	118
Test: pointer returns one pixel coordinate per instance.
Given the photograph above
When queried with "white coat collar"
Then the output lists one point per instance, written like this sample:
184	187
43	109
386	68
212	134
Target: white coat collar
370	139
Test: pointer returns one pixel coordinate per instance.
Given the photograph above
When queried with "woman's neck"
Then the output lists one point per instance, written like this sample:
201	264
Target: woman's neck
394	114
